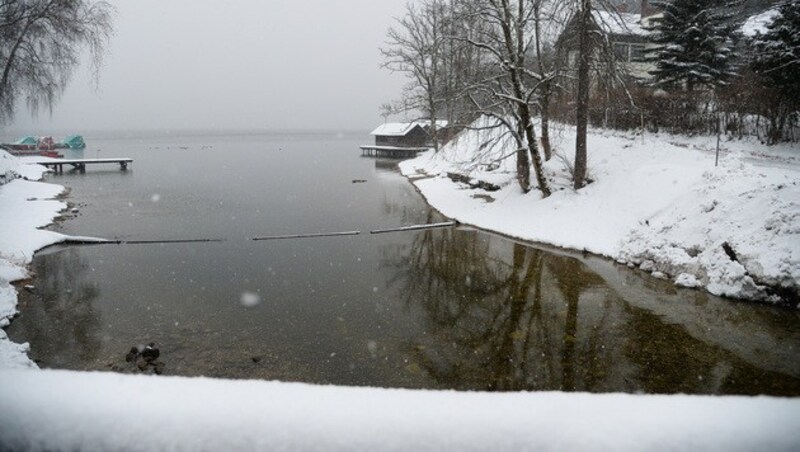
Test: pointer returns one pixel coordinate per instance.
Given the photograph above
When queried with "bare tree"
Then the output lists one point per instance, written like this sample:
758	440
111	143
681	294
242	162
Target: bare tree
547	83
585	22
550	19
40	45
415	47
506	93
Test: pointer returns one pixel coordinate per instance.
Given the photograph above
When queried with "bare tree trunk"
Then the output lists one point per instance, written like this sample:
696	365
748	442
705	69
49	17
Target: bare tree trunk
516	56
545	101
582	114
523	170
433	111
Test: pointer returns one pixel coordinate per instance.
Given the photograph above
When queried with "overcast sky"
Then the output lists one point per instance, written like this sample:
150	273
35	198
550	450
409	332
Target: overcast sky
205	64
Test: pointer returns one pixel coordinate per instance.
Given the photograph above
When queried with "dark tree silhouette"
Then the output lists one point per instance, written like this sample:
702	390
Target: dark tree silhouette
40	45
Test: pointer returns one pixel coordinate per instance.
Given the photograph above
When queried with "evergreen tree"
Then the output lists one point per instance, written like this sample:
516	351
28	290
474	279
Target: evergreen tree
693	45
777	52
776	63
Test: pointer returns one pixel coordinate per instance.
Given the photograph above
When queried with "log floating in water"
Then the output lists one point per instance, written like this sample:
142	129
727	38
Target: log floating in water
306	236
99	241
147	242
96	241
416	227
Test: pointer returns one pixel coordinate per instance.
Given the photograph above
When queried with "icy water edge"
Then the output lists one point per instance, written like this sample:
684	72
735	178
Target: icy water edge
450	308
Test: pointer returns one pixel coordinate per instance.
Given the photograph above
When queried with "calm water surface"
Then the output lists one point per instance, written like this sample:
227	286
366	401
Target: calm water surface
451	308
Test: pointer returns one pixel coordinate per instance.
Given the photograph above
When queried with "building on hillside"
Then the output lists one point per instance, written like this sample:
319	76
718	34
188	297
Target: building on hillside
402	139
620	49
401	134
624	31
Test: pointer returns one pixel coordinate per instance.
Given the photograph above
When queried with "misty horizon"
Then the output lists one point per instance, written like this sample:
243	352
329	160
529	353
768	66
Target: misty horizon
199	66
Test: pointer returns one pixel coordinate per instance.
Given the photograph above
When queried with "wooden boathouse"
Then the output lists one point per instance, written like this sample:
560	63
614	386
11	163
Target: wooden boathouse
398	140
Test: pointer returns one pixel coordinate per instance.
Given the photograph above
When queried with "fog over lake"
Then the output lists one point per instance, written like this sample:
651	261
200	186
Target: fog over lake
246	65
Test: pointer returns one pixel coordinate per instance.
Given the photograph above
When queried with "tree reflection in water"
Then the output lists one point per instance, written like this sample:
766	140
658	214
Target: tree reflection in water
504	316
61	322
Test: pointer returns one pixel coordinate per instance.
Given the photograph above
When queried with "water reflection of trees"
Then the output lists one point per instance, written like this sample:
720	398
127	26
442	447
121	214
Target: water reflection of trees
59	320
499	315
504	316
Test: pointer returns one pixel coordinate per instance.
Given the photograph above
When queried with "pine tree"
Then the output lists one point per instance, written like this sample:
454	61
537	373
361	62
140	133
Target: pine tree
693	45
777	52
776	63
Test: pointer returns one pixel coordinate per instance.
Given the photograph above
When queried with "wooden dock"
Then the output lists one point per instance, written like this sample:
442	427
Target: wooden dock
57	165
395	152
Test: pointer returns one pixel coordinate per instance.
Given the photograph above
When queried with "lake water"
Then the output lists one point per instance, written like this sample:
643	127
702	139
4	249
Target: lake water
446	308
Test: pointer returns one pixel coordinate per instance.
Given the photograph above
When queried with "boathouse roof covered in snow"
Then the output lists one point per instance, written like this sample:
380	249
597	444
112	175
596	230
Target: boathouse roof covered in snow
401	134
400	129
394	129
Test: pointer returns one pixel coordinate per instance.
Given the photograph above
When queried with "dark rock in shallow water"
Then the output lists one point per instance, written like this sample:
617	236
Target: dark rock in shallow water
159	367
144	358
131	356
151	352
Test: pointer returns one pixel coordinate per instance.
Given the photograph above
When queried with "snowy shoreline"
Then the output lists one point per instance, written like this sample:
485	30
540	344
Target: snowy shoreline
26	207
657	203
69	410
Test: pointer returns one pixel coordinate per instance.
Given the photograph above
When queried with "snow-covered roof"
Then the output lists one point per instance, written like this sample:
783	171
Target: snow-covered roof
620	23
758	23
399	129
394	129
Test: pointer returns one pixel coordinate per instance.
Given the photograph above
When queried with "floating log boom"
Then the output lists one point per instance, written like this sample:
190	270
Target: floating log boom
306	236
416	227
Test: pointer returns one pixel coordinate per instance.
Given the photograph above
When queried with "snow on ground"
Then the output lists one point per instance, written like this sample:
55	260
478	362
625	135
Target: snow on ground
66	410
60	410
25	206
656	202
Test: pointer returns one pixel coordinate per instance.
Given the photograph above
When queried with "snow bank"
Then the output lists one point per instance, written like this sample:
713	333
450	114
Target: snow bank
25	206
60	410
736	232
657	202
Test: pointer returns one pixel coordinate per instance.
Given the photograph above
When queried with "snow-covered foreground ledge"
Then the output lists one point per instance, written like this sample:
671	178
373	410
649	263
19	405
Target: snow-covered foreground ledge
61	410
25	207
657	202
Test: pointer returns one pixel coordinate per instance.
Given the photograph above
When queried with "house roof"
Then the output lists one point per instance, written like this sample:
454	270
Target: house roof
620	23
399	129
394	129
